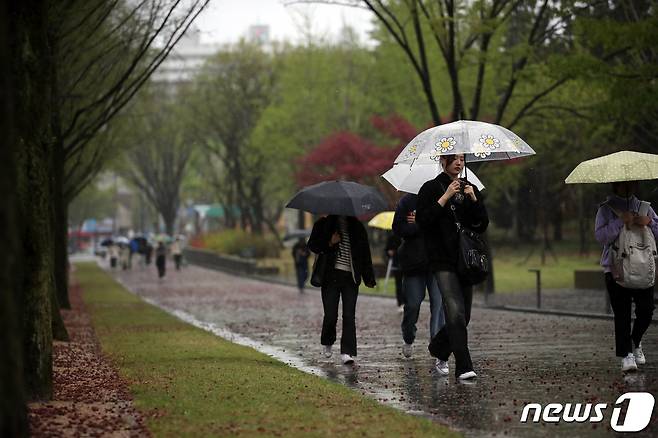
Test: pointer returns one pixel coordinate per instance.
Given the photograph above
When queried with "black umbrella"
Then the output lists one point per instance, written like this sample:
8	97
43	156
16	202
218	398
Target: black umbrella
339	197
107	242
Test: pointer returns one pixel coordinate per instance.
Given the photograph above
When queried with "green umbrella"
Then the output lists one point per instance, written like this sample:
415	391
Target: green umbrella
620	166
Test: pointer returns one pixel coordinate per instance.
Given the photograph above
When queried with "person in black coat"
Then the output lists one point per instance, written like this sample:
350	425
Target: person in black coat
439	201
416	275
300	256
161	259
341	243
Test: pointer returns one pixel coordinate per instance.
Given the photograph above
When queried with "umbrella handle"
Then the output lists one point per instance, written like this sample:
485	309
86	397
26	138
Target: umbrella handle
388	273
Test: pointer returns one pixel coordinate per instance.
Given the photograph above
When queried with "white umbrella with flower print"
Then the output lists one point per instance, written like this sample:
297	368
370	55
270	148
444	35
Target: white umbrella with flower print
478	141
410	179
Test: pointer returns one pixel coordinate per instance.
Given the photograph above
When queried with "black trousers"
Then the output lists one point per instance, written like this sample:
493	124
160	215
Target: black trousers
620	300
339	283
453	337
161	264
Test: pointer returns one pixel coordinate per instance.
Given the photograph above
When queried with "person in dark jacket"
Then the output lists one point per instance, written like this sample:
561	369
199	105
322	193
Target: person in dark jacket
161	259
439	201
391	256
300	256
341	243
416	275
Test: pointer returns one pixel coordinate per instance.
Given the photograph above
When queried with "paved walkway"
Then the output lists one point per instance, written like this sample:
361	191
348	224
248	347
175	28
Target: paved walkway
520	358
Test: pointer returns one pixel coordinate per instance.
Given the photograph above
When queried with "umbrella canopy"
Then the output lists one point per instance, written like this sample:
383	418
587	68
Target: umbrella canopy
410	179
620	166
383	220
122	240
479	140
339	197
107	242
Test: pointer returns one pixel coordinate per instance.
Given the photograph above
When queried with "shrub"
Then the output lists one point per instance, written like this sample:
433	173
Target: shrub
240	243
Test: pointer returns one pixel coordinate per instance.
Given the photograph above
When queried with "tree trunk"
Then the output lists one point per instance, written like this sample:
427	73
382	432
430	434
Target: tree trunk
557	223
59	329
583	223
257	204
34	189
61	230
13	411
169	220
39	282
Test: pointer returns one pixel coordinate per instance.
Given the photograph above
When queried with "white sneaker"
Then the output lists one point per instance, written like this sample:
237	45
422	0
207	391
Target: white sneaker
468	375
401	308
442	367
347	359
628	363
326	350
639	355
407	349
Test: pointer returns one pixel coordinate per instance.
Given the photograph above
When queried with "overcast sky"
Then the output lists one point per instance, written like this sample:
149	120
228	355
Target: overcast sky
227	21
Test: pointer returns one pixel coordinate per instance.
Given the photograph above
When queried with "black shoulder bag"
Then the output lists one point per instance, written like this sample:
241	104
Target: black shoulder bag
473	263
319	268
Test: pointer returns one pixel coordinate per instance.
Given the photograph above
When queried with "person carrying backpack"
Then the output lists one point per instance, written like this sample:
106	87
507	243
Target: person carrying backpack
627	228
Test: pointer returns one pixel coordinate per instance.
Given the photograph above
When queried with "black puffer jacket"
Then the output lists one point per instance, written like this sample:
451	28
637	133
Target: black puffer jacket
361	259
438	223
411	234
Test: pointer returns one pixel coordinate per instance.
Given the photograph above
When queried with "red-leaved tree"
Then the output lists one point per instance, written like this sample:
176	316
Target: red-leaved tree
347	156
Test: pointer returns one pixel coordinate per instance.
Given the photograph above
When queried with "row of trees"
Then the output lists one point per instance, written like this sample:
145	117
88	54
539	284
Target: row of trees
572	78
68	68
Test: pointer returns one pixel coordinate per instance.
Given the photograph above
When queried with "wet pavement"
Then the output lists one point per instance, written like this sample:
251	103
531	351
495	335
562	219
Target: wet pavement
520	358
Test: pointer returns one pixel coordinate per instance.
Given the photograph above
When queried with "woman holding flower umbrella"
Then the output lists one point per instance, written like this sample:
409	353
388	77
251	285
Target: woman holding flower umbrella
447	206
623	213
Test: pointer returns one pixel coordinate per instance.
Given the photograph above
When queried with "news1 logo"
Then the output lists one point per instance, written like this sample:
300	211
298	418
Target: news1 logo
638	412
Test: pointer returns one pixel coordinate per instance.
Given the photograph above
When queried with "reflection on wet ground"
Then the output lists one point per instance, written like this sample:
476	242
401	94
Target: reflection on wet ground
520	358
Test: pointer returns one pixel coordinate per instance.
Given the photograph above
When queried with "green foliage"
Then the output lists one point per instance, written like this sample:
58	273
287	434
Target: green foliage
188	382
226	102
91	203
241	243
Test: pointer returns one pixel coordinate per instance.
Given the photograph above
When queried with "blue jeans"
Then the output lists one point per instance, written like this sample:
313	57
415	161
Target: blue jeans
301	269
414	288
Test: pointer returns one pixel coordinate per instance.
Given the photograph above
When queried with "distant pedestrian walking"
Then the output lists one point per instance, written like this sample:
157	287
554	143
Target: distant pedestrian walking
177	252
416	274
620	214
148	253
441	203
113	251
300	254
161	259
124	256
341	243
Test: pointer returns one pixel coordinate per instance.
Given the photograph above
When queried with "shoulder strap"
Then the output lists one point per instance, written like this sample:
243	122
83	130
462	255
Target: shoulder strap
614	210
452	208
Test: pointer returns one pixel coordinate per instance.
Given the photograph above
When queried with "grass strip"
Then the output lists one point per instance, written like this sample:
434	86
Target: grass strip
188	382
